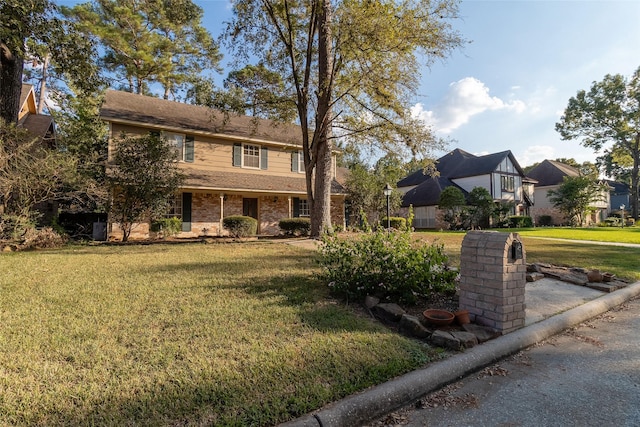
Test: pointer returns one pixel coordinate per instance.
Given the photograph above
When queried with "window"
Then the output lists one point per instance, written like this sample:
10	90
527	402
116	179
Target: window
508	183
297	162
249	156
175	207
303	207
184	146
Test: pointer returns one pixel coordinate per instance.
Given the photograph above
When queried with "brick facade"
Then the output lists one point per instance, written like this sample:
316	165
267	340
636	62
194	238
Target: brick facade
492	281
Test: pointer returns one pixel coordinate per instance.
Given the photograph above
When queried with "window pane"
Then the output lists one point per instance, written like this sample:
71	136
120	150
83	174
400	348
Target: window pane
177	140
251	158
303	207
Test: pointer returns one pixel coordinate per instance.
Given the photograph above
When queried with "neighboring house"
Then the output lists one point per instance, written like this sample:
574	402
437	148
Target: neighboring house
42	127
499	173
39	125
234	165
550	174
620	196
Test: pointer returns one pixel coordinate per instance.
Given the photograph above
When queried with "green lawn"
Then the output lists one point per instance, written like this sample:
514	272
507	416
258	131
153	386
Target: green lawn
619	260
219	334
196	334
598	234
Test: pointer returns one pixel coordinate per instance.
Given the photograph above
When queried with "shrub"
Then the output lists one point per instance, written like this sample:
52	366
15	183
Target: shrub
545	220
41	239
13	227
241	226
397	222
295	226
167	226
520	221
611	221
391	266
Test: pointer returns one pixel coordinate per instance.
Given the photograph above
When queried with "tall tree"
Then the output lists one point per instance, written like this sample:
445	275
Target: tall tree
33	29
149	41
608	116
143	176
352	68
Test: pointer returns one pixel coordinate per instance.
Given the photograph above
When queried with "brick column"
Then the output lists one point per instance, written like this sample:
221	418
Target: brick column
493	278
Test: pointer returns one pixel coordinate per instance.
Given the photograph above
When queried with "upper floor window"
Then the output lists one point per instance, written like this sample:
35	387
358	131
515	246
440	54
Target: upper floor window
508	183
184	146
297	162
250	156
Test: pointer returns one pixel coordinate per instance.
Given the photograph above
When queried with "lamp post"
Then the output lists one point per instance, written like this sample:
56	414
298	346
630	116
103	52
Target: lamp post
387	192
622	214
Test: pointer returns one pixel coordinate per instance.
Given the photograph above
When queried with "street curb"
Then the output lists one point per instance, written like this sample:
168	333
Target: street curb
380	400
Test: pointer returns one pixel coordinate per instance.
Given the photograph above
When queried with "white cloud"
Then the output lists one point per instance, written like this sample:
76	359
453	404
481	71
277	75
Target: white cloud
466	98
536	153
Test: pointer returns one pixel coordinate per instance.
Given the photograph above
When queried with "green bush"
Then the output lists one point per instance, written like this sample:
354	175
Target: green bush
295	226
391	266
167	226
241	226
520	221
13	227
545	220
397	222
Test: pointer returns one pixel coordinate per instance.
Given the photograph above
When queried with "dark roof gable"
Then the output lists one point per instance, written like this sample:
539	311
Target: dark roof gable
550	172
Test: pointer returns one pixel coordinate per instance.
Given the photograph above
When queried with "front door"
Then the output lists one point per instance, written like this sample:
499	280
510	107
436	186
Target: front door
250	208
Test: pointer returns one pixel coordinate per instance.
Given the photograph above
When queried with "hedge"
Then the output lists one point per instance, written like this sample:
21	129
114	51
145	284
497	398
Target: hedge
241	226
295	226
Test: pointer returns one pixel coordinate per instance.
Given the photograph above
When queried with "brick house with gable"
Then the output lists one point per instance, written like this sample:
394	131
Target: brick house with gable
234	165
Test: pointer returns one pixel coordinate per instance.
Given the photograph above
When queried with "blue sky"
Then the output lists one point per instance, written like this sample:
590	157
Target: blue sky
507	88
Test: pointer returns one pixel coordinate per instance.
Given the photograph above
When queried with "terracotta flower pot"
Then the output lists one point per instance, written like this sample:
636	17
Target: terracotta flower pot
462	317
438	317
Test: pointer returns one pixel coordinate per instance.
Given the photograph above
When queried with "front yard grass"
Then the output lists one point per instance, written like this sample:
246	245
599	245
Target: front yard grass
196	334
222	334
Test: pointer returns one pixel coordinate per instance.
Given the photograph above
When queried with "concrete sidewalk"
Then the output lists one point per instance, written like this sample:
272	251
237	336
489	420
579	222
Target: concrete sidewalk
552	306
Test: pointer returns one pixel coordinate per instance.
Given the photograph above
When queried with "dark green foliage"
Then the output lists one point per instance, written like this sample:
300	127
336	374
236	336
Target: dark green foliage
520	221
167	226
295	226
396	222
545	220
392	266
144	176
452	202
241	226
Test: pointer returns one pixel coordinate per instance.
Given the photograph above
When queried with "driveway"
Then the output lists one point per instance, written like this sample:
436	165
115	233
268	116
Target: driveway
588	375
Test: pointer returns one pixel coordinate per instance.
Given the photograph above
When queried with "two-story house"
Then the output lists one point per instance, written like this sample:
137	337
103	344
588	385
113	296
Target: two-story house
234	165
550	175
499	173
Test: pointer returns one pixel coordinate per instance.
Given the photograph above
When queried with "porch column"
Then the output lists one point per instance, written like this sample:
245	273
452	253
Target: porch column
220	225
289	205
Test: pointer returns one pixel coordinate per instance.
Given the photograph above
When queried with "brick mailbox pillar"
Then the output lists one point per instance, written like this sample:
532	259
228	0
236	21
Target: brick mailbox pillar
492	279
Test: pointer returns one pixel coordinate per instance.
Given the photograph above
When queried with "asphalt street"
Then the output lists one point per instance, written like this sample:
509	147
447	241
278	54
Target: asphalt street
588	375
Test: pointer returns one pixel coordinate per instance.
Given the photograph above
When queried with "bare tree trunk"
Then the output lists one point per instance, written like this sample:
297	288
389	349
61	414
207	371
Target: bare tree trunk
11	66
42	99
321	204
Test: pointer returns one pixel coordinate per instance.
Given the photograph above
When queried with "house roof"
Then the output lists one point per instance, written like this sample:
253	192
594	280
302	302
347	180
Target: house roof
460	164
550	172
235	181
428	193
38	125
125	107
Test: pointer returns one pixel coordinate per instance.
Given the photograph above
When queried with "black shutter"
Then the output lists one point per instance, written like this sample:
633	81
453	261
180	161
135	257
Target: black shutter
237	155
186	211
296	207
263	158
189	148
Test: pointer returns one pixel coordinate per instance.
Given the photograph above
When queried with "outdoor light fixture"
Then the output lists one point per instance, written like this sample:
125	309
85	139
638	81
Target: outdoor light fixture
387	192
